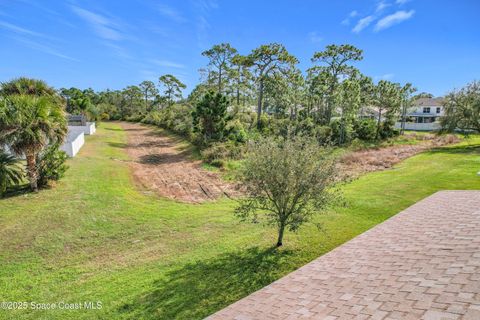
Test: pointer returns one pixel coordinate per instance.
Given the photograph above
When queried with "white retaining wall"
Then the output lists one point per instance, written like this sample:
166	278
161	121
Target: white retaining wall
88	129
75	140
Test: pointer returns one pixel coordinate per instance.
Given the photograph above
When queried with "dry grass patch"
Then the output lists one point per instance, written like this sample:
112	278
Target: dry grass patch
362	161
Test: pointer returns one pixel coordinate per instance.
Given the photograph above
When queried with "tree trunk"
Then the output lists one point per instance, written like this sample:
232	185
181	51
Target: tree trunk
260	100
342	128
378	123
404	117
220	80
32	171
146	101
239	81
281	230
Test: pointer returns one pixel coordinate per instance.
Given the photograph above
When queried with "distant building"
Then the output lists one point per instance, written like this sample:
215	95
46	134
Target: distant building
424	115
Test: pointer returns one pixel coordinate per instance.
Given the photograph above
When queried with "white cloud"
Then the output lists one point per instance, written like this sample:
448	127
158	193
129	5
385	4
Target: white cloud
363	23
202	25
386	76
393	19
352	14
103	26
400	2
315	37
19	30
206	4
168	64
381	6
118	51
43	48
170	12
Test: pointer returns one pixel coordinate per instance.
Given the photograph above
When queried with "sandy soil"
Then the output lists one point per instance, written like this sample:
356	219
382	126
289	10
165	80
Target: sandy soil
160	165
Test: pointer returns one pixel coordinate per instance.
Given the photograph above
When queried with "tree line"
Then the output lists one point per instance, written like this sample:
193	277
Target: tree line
265	92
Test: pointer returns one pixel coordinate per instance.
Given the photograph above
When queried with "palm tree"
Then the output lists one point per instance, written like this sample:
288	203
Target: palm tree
10	172
32	122
22	85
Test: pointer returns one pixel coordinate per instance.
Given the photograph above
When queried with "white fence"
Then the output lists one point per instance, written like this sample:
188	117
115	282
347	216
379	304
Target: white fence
87	129
75	140
432	126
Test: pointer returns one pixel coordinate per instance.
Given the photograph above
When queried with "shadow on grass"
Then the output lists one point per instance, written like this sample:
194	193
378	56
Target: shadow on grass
120	145
463	149
199	289
16	191
114	129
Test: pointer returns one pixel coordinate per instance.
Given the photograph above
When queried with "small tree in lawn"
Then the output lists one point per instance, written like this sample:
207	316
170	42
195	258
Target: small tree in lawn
286	182
210	116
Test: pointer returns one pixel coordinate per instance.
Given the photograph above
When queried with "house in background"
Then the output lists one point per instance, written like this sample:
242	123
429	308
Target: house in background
424	115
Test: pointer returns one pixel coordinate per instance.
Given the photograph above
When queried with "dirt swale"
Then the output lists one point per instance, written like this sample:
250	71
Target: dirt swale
159	164
356	163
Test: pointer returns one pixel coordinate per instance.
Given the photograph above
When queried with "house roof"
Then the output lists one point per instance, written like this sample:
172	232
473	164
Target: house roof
429	102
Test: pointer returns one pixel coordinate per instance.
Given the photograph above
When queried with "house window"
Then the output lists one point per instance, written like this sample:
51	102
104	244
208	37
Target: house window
426	110
438	109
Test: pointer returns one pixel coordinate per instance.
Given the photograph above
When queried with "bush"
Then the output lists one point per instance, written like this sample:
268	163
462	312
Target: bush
135	118
247	119
176	118
218	152
236	131
10	172
339	136
51	165
323	134
365	129
387	130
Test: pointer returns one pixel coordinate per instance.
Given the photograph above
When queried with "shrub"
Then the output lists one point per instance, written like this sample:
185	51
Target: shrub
236	131
365	129
217	152
247	119
135	118
323	134
387	130
176	118
341	135
10	173
51	165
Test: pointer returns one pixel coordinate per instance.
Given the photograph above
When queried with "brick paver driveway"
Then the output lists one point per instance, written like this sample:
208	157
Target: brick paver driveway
423	263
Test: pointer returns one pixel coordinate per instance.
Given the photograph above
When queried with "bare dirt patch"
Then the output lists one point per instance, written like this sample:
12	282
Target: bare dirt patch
359	162
159	164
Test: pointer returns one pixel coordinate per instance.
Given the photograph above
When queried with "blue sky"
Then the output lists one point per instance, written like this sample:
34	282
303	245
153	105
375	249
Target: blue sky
111	44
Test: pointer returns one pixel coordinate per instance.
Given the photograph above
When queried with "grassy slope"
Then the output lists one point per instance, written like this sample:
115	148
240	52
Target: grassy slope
95	237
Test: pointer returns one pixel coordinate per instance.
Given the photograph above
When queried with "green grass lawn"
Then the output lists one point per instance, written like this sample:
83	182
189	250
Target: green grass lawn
95	237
